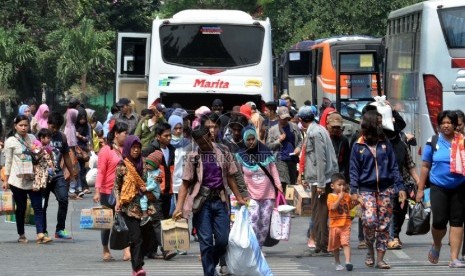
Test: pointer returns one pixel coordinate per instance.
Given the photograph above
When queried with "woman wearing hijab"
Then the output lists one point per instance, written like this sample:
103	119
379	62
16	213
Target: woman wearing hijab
255	159
83	136
182	146
70	132
39	120
129	186
26	111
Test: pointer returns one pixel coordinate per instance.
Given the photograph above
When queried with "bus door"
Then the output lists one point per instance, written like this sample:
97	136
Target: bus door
299	75
132	68
361	72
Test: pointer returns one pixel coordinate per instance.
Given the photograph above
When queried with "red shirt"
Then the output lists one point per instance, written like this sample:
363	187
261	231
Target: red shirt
108	159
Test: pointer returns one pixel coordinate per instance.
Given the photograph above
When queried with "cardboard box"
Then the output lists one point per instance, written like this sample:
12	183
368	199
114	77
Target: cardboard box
290	193
175	234
96	218
7	205
302	200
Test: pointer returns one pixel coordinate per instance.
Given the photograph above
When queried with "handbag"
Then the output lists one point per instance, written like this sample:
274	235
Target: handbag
119	236
419	219
280	225
81	154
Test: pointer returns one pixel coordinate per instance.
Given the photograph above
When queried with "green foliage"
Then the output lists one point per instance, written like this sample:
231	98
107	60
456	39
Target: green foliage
171	7
54	42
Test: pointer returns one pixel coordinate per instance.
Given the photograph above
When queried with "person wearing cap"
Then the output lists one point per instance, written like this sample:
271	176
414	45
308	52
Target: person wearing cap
306	115
208	172
285	140
334	125
126	115
320	165
217	107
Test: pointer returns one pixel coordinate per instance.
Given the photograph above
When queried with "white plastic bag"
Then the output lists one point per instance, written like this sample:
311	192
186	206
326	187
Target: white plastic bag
244	256
91	176
280	226
385	111
93	159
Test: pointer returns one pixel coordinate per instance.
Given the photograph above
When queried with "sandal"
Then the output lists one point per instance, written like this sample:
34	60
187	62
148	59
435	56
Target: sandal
382	265
22	239
362	245
108	258
394	244
43	239
369	260
433	255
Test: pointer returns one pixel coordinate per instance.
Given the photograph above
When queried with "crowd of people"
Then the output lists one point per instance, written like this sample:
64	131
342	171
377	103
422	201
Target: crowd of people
166	163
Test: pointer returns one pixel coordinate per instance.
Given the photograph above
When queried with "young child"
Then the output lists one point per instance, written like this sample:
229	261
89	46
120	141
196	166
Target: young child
152	171
339	206
44	170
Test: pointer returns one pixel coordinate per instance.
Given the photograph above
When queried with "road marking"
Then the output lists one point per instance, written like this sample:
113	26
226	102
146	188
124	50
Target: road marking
401	254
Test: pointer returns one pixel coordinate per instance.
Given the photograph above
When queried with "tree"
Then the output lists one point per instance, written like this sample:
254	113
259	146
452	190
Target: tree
15	53
82	50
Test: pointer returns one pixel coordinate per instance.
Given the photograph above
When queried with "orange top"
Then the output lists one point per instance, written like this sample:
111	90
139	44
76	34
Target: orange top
341	215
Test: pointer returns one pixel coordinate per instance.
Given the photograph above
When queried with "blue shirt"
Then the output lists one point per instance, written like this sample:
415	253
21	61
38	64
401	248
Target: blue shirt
440	174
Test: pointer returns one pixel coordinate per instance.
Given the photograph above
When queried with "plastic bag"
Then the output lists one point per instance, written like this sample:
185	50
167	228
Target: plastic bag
93	160
385	110
91	176
419	219
119	236
172	204
244	256
280	226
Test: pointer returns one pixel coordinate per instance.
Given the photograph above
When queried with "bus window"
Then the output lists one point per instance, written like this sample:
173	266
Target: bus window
453	25
133	51
299	63
217	46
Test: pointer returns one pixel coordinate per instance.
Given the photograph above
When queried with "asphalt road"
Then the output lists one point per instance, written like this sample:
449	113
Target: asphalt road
82	255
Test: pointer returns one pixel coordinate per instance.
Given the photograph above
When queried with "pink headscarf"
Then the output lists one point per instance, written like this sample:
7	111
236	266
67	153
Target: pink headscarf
199	112
40	117
70	129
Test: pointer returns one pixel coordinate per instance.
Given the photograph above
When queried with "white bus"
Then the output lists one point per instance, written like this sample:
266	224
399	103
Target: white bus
425	66
195	57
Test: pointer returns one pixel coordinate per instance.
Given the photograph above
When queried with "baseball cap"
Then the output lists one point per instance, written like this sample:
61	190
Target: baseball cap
252	104
306	113
285	97
246	110
334	119
161	107
123	101
217	102
283	112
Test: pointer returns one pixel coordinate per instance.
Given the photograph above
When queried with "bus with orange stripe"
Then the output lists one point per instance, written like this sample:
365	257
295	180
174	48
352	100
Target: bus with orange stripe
347	71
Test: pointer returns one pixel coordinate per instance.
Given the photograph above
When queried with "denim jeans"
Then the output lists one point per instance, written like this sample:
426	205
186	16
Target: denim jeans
212	224
20	198
58	186
82	175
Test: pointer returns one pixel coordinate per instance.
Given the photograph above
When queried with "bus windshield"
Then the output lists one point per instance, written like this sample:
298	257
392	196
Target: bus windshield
206	45
453	26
